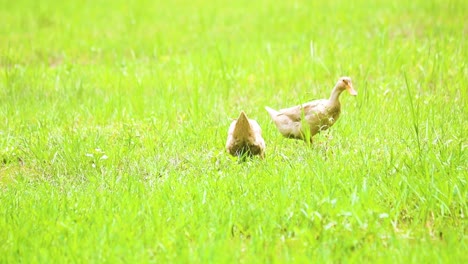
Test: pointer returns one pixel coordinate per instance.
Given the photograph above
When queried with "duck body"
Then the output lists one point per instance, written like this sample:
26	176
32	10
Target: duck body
316	116
245	138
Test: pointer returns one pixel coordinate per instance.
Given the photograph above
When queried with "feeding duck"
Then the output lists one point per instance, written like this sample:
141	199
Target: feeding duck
245	138
318	114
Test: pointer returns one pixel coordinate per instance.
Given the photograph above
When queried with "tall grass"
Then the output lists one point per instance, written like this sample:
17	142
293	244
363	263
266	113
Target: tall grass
114	117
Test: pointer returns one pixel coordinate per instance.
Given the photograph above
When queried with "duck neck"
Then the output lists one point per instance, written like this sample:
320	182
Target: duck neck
335	95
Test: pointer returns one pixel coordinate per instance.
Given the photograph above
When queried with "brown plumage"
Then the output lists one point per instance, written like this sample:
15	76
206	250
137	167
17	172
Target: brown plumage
319	115
245	138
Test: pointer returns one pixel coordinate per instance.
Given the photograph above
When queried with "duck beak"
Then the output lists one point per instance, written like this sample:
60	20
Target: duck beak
351	90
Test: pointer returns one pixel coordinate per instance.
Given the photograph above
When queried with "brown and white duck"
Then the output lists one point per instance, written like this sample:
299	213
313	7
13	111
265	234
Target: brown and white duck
319	114
245	138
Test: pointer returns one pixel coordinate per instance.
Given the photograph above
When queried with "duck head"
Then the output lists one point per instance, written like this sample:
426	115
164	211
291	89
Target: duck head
345	83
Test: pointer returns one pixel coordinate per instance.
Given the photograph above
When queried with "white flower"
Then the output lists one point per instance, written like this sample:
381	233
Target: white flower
383	215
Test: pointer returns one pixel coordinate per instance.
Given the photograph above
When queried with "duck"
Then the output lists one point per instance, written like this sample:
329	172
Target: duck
245	138
319	114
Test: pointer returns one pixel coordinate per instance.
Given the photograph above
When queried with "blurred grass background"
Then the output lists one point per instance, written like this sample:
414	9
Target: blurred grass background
115	114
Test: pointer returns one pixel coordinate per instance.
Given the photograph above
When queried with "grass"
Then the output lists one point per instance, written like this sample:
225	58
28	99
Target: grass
115	115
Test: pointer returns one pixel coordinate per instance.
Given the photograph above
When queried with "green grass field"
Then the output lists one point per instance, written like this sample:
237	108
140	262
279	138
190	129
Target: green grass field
114	116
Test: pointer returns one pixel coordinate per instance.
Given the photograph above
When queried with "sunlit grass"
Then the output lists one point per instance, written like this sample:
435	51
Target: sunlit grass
115	116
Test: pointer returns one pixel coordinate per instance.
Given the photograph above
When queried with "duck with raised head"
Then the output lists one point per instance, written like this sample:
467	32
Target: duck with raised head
319	114
245	138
